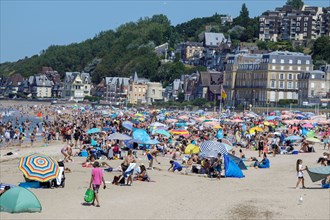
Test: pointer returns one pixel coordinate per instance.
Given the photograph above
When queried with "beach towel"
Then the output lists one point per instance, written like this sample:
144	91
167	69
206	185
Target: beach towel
130	169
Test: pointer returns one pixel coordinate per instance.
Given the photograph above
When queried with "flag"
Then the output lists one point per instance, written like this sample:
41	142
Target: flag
223	93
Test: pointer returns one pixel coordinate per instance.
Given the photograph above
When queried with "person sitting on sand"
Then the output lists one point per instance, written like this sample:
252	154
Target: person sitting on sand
142	175
176	154
91	160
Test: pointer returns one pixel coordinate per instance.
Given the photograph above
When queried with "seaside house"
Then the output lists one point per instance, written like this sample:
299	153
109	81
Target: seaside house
40	86
76	85
209	85
155	92
137	92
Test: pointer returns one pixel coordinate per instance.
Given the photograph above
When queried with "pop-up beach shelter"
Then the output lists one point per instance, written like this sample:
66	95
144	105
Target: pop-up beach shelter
238	161
232	169
19	199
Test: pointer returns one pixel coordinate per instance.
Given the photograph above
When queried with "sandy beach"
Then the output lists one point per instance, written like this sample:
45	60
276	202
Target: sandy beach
262	194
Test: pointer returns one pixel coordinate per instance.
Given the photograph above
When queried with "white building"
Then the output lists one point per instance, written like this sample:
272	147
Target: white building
154	92
76	85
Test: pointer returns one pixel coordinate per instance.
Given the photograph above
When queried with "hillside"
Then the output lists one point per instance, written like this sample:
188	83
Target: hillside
130	48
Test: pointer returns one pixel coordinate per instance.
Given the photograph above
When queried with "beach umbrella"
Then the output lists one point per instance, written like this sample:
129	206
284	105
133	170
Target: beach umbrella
217	127
93	130
179	132
252	130
128	125
19	199
141	134
162	132
191	149
212	149
118	136
151	142
293	138
313	139
318	173
308	126
39	167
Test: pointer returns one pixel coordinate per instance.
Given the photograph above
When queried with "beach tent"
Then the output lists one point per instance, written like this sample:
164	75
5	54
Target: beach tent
19	199
318	173
191	149
238	161
232	169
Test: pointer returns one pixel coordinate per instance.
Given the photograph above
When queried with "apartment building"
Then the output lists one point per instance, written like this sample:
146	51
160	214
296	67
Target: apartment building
286	23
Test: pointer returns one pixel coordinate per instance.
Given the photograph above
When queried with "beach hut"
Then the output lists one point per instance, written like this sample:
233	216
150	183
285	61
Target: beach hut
19	199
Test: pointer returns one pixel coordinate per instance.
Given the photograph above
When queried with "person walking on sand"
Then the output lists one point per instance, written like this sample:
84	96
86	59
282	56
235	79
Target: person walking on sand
300	173
96	181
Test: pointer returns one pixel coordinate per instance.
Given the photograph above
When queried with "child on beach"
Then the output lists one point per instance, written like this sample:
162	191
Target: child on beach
96	181
300	173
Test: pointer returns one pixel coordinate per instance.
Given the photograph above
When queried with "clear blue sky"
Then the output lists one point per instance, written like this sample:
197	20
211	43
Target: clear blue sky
27	27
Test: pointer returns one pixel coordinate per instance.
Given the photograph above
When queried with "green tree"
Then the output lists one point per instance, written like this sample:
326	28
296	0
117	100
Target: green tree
296	4
243	19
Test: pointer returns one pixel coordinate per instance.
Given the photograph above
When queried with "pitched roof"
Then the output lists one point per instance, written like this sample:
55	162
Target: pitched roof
213	39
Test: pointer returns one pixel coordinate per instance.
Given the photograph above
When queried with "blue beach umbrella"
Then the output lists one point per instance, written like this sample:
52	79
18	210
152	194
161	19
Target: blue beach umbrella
93	130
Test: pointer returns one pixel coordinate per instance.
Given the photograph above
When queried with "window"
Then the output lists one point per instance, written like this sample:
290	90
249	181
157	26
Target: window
139	89
307	62
273	67
289	85
298	61
298	68
282	60
322	85
290	67
290	76
312	92
282	76
281	85
290	61
153	91
282	67
312	85
313	76
273	76
273	60
272	84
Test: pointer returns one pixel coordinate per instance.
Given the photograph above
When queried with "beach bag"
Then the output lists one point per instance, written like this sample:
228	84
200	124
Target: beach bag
89	195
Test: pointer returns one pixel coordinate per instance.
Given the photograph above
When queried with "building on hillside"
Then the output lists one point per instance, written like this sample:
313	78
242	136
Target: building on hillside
313	86
115	90
40	86
76	85
286	23
137	93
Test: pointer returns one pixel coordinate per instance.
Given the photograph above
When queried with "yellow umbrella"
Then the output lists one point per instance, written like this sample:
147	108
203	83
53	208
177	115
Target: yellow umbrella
252	130
217	127
191	149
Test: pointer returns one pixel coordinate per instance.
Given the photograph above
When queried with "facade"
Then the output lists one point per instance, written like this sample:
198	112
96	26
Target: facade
115	89
40	86
286	23
313	86
208	86
138	87
154	92
265	78
76	85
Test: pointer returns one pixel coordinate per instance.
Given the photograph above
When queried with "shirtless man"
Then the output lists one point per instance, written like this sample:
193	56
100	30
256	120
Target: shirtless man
127	161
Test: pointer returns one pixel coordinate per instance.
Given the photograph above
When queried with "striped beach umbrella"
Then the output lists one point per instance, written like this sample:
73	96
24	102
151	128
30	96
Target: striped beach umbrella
212	149
39	167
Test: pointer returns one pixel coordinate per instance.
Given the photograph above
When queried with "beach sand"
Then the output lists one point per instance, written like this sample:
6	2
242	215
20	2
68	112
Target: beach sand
262	194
